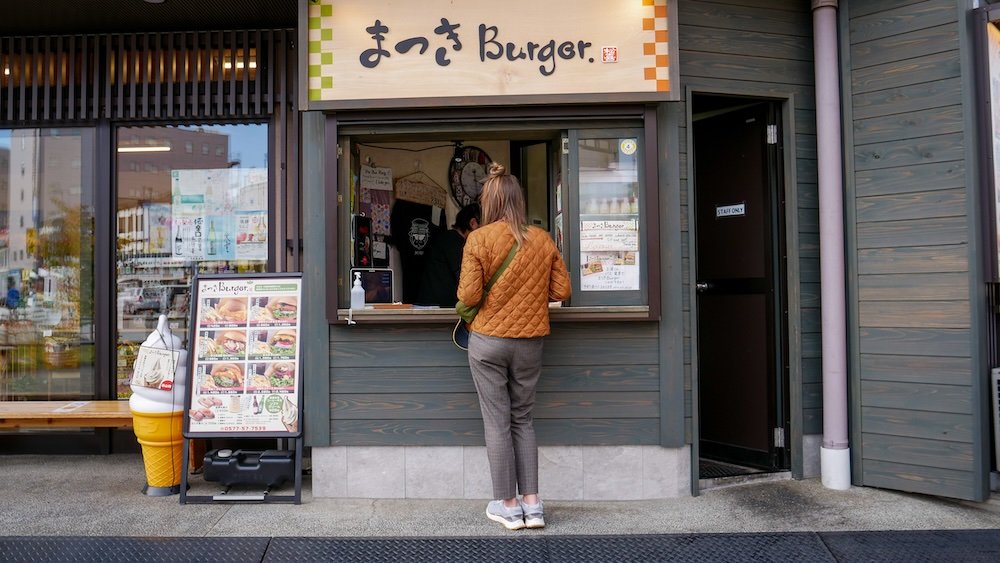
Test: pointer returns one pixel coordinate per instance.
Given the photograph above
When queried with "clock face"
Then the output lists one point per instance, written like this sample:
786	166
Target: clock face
467	172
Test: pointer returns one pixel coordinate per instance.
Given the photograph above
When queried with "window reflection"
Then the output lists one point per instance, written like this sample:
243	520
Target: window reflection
46	260
182	211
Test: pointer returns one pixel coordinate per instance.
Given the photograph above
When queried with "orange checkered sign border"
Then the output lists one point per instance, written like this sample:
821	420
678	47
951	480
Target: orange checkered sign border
397	53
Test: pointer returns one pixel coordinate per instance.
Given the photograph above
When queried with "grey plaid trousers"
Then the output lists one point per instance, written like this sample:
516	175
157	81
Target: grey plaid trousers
505	371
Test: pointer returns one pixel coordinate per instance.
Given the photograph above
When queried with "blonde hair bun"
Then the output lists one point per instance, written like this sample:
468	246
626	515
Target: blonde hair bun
497	169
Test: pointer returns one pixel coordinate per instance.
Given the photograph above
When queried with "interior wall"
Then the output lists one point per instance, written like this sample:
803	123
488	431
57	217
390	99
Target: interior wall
432	158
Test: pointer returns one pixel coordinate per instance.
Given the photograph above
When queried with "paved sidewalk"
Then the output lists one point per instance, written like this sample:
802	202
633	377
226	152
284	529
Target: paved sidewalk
66	499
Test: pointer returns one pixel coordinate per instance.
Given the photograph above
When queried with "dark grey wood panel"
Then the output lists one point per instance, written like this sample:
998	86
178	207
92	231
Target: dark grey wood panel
918	479
910	152
810	320
433	353
905	99
812	370
917	369
915	341
812	395
914	314
905	45
913	287
737	67
916	451
812	345
739	16
917	424
956	399
459	379
808	245
911	205
808	220
806	171
469	432
918	123
940	66
807	194
917	259
863	8
915	178
391	406
812	421
418	332
899	20
741	42
918	232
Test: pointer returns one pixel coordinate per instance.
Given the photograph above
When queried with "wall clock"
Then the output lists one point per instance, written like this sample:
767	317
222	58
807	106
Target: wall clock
467	172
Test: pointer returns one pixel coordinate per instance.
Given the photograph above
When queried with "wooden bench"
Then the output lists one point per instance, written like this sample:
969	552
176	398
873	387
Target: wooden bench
65	414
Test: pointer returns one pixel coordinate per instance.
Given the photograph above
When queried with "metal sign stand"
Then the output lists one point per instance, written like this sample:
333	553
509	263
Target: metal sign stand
251	310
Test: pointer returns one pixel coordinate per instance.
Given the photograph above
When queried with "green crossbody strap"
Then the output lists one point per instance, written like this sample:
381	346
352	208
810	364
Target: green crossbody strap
496	275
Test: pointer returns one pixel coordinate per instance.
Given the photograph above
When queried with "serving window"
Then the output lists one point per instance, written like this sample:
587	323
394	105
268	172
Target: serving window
589	186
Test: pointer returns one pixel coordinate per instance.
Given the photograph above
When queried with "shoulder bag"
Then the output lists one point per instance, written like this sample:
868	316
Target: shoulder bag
466	313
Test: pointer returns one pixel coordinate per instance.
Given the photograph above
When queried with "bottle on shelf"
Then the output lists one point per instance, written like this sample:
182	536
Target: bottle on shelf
357	293
212	238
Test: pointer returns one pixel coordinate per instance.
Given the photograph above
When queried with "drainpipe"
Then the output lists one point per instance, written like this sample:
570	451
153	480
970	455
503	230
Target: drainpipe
835	454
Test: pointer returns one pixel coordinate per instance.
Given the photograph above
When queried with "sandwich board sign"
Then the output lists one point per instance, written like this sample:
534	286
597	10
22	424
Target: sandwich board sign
245	362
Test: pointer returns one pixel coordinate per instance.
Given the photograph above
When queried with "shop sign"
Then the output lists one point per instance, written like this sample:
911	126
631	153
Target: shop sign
245	356
396	53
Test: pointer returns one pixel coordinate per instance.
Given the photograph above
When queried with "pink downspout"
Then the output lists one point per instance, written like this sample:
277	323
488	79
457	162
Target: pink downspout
835	464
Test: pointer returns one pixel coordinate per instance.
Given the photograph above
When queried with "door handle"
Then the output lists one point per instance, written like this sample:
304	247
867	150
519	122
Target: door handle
701	287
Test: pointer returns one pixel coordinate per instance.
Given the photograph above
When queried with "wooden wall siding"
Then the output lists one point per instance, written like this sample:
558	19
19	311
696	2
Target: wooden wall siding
910	202
764	48
409	385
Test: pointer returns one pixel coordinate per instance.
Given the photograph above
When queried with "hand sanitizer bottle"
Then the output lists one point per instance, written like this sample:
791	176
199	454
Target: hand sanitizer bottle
357	293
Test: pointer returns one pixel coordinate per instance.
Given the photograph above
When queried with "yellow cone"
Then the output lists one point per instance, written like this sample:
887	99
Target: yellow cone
162	441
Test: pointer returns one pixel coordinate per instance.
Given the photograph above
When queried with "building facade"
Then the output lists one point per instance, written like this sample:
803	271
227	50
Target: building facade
684	186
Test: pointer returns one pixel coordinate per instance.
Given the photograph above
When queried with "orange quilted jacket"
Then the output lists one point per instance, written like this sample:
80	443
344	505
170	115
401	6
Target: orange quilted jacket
517	306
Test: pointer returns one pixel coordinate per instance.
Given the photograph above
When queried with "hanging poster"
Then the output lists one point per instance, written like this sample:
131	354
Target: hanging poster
158	222
214	208
246	359
251	236
609	271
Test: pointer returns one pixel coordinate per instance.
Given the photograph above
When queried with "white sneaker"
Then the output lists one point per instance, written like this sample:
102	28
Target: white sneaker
511	517
534	514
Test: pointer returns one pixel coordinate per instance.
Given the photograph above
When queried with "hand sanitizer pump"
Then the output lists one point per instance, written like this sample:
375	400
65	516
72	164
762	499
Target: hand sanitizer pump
357	293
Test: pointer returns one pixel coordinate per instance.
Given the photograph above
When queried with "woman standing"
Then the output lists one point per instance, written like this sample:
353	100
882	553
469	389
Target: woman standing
505	346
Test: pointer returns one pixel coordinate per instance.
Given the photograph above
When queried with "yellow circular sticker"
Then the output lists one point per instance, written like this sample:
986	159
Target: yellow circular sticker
628	146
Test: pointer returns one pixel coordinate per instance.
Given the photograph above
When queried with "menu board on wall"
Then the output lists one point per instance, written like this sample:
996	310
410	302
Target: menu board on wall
245	360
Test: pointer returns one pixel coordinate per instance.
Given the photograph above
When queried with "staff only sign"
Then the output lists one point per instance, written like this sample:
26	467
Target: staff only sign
400	53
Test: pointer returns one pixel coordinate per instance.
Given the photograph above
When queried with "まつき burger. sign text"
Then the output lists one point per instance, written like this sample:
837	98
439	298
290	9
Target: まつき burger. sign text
395	53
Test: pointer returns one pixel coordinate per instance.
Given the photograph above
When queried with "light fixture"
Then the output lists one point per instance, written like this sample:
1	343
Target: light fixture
6	71
151	148
239	64
154	1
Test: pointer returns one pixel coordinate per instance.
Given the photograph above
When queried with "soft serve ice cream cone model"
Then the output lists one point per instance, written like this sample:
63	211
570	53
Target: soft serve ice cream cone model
157	404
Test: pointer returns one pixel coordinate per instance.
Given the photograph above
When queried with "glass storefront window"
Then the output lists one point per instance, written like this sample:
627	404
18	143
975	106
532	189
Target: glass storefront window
47	263
182	211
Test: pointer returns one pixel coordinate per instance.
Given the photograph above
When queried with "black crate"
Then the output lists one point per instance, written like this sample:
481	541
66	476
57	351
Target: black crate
246	467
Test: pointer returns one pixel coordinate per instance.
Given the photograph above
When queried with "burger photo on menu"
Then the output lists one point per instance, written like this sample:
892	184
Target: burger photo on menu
283	342
280	375
233	343
280	309
222	377
224	310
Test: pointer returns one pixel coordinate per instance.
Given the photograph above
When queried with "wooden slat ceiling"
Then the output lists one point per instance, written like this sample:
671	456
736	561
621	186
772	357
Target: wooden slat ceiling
59	17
